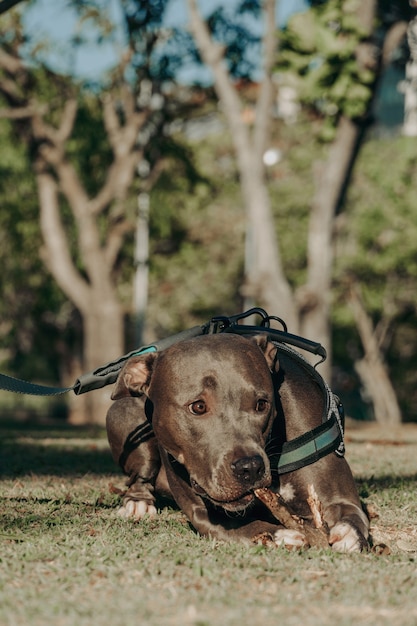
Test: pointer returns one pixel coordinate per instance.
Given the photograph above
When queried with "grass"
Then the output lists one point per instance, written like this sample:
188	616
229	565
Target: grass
67	559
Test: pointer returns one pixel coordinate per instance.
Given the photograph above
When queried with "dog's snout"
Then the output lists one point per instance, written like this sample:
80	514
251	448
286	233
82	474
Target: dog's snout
249	469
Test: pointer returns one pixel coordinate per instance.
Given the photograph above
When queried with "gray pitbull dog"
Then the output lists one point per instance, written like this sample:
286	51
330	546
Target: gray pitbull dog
200	422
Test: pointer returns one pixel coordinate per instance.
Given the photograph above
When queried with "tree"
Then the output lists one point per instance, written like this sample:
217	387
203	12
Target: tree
35	334
84	219
86	152
410	84
338	59
265	282
307	310
330	52
376	274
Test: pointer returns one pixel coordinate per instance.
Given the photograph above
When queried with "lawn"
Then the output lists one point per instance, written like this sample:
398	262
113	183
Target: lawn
67	559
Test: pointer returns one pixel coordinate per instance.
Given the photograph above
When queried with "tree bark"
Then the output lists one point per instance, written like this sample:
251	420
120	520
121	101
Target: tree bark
410	83
314	299
95	298
371	368
265	282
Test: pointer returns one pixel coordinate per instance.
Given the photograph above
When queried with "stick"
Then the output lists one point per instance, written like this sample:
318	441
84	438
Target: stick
316	535
316	509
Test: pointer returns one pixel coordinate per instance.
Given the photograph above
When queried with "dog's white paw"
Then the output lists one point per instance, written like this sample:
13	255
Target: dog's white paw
290	538
137	509
345	538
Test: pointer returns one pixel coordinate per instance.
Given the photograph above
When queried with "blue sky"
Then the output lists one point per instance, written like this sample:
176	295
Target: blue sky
54	21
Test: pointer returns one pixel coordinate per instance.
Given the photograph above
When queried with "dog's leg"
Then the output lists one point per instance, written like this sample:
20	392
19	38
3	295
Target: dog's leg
134	448
349	533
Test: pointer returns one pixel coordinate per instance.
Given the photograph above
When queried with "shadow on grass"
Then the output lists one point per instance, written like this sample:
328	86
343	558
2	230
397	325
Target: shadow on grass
369	486
53	449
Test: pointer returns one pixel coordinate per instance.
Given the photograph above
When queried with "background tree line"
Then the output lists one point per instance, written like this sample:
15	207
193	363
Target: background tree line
324	238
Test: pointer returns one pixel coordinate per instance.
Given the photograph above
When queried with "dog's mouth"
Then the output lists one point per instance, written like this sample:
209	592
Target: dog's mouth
237	504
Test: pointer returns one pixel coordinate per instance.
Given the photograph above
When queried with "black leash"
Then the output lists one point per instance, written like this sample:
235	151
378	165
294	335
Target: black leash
107	374
16	385
100	377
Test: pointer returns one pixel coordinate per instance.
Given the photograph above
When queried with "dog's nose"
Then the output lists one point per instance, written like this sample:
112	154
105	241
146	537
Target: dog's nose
249	469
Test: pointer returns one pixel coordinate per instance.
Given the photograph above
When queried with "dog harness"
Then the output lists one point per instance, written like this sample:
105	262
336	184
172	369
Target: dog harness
297	453
320	441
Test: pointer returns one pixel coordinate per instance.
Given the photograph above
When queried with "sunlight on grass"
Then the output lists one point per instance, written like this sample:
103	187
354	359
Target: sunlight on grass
67	559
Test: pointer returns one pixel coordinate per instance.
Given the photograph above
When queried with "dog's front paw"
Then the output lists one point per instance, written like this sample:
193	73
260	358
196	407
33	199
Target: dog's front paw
137	509
346	538
290	538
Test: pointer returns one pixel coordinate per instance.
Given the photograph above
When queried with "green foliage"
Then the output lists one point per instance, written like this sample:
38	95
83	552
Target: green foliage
291	189
377	248
30	299
378	245
317	53
197	235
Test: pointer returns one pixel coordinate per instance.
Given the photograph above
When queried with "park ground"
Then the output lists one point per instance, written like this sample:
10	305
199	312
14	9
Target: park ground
67	559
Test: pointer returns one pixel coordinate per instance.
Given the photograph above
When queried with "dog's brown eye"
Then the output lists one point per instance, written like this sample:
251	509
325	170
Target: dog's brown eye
198	407
261	406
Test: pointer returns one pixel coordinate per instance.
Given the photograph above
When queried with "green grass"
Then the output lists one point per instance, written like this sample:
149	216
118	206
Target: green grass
67	559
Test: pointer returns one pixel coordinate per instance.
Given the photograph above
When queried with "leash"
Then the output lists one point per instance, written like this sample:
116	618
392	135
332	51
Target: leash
100	377
107	374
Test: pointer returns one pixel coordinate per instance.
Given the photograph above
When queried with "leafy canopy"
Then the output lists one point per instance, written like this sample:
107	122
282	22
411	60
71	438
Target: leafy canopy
317	56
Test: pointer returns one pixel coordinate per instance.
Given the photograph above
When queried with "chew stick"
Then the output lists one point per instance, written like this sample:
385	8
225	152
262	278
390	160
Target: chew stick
316	535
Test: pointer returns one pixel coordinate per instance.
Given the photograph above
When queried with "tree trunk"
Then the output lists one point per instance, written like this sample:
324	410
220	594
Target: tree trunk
103	342
410	83
141	260
96	298
371	368
265	283
314	299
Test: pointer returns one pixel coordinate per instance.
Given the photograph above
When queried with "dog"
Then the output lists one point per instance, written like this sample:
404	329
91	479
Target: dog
201	421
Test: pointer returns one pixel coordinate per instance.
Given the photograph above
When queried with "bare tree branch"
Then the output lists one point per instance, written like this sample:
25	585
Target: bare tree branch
212	54
55	136
371	368
21	113
265	281
123	140
67	121
264	101
58	257
122	137
9	62
119	178
116	239
12	92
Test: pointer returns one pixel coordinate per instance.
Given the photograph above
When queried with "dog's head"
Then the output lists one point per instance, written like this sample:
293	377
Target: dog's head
212	410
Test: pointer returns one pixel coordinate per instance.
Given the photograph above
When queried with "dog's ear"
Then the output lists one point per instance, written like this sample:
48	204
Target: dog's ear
135	377
269	350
